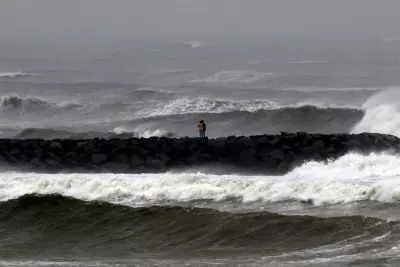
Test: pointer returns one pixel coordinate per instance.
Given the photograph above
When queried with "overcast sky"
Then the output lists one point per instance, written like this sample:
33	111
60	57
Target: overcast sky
141	19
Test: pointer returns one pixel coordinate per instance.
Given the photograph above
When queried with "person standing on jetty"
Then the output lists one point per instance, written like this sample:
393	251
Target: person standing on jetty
202	128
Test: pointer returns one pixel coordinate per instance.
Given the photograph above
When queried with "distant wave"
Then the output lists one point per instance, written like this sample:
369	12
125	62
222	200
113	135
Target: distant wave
70	228
186	105
13	75
251	121
235	76
175	118
15	105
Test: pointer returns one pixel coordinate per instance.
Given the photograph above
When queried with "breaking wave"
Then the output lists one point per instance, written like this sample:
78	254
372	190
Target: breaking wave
382	113
13	75
204	104
207	105
74	216
167	116
352	178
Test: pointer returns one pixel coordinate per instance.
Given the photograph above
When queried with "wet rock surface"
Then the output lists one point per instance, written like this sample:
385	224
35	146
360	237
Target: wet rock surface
267	154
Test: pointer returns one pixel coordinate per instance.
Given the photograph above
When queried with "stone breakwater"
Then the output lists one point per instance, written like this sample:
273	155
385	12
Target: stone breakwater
272	154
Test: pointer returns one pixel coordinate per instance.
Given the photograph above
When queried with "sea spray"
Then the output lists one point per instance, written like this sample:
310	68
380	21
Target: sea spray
382	113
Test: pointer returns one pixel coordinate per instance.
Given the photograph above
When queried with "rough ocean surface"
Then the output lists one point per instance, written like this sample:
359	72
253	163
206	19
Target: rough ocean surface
65	228
100	164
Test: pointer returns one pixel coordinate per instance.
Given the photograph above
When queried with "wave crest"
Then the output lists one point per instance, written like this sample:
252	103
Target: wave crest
206	105
382	113
141	132
13	75
352	178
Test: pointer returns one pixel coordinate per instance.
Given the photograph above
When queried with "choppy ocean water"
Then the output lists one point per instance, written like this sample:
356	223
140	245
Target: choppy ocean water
341	213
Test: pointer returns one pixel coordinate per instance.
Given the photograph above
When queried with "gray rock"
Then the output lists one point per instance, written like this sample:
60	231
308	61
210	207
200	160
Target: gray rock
272	154
99	158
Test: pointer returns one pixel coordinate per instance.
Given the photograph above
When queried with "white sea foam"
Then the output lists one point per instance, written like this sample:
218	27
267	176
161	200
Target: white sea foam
235	76
142	132
351	178
186	105
382	113
12	75
146	133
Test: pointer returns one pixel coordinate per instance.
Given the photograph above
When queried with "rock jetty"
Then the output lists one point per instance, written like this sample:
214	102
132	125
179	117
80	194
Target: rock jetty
266	154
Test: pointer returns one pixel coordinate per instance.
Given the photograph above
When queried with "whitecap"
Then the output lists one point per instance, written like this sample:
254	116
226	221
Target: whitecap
352	178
